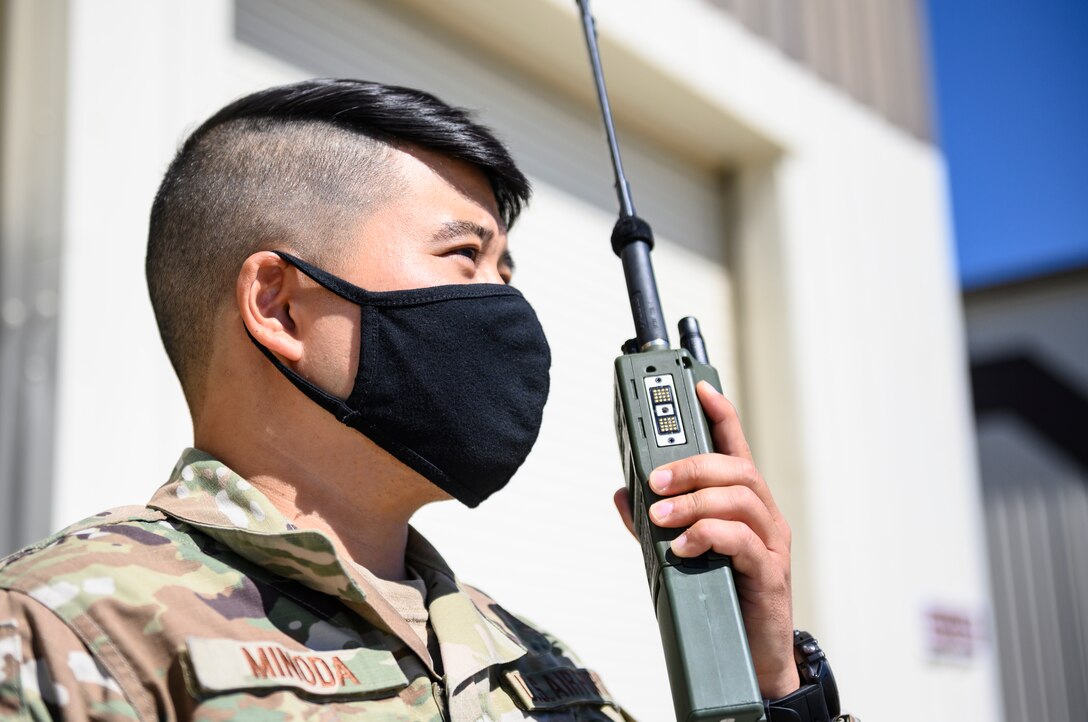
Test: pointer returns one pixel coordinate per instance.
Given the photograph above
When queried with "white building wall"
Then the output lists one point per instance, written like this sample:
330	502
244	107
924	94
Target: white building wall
846	331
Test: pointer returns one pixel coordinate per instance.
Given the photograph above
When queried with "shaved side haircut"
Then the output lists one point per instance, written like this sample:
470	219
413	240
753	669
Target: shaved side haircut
294	167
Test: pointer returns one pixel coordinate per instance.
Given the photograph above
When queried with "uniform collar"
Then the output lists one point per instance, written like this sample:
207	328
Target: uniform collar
206	494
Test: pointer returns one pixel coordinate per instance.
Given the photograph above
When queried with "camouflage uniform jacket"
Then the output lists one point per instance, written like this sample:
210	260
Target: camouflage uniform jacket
207	604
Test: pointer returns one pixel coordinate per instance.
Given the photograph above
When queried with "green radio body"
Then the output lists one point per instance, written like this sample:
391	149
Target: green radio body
658	420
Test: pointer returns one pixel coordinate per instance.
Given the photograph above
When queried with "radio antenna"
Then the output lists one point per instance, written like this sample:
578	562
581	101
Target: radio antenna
623	190
632	238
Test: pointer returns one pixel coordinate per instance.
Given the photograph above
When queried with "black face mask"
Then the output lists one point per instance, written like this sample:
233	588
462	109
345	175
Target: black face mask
451	381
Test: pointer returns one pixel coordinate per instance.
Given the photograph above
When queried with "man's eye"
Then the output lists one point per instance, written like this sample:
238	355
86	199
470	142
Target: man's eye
468	252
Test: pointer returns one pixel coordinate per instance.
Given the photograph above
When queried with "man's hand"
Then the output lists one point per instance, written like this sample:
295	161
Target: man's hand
728	507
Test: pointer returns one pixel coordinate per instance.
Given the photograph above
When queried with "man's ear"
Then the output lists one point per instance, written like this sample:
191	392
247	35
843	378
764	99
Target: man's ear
266	287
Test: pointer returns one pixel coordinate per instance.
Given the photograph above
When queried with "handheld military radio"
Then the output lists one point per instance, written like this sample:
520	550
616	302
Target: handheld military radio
659	419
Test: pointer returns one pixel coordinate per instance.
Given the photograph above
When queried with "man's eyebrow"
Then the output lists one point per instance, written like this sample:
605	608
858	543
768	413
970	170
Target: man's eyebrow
456	229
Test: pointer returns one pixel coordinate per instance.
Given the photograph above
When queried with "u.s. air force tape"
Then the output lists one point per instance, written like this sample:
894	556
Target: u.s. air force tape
556	687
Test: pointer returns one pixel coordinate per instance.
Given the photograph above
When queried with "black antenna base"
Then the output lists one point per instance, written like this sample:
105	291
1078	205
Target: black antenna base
629	229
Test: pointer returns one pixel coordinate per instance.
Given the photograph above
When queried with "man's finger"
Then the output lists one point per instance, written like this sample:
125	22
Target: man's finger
725	428
733	538
710	470
623	505
730	503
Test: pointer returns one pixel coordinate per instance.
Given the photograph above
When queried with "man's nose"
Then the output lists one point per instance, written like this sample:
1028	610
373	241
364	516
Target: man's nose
488	273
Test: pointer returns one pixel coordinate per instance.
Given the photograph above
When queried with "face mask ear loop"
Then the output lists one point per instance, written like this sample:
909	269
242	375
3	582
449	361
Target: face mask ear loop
362	297
322	398
339	286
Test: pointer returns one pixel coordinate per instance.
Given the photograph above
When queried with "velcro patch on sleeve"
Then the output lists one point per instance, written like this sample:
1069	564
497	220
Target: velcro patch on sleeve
220	665
555	688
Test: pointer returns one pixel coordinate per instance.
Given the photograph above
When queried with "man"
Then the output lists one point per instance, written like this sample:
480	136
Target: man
329	269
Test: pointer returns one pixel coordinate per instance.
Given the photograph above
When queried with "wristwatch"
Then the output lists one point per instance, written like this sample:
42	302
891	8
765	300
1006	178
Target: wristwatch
817	700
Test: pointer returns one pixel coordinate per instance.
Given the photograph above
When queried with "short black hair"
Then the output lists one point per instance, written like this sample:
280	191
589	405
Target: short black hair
294	166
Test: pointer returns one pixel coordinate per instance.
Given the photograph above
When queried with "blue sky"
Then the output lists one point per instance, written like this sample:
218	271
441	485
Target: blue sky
1011	86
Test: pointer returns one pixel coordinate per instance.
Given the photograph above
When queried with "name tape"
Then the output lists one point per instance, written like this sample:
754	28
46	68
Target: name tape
219	665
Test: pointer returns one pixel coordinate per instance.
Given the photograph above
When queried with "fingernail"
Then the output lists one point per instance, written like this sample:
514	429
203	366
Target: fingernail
680	543
661	510
660	479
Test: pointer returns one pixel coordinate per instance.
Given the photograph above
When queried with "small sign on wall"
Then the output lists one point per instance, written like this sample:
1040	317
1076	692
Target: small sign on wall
953	634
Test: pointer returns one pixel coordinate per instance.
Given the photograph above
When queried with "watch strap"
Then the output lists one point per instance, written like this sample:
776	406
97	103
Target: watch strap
805	705
813	668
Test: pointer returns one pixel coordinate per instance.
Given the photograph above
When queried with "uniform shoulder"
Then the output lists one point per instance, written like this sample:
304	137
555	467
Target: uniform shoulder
46	631
96	541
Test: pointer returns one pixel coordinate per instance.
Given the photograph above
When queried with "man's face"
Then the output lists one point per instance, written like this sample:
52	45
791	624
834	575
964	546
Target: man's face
441	227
